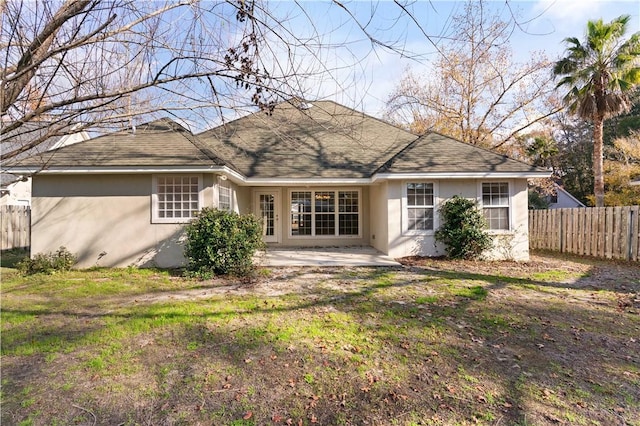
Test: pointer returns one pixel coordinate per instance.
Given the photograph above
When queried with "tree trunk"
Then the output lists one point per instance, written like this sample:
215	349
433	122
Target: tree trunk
598	177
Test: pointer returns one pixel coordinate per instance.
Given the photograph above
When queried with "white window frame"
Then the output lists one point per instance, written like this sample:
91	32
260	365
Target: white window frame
406	207
222	189
509	206
155	203
313	191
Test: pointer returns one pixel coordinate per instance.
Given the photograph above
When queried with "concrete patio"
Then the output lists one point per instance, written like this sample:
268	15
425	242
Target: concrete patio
324	256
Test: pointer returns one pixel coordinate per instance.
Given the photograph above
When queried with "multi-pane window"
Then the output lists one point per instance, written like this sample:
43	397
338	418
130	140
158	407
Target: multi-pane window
420	206
224	198
331	213
348	213
495	204
177	198
301	213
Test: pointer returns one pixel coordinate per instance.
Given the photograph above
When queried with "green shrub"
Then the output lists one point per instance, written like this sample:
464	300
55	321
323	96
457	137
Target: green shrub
464	229
221	243
48	263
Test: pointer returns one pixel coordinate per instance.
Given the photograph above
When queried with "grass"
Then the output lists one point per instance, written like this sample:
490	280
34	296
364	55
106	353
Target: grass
439	343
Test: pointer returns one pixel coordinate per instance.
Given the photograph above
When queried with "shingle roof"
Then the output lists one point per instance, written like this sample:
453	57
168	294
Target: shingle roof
436	153
159	143
320	140
323	139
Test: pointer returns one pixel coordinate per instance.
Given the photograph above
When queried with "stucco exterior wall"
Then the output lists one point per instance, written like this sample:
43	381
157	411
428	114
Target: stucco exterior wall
512	244
378	214
105	220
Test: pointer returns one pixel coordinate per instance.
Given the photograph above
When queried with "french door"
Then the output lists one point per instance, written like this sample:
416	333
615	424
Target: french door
267	209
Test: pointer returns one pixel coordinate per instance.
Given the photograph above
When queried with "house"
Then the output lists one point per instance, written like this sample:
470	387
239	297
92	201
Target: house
318	174
15	189
563	199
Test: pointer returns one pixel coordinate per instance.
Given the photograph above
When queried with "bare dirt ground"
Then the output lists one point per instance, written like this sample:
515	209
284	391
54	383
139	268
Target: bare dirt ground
582	273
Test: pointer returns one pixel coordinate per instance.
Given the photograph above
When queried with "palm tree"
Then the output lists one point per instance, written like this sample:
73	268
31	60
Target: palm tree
600	75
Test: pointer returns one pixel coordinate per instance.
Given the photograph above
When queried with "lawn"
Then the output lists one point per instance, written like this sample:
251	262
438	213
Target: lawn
553	341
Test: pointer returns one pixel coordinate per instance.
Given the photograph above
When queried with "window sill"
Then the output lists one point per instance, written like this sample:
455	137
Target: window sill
171	221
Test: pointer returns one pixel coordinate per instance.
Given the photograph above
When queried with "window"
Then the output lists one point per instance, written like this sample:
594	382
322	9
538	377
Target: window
328	213
175	199
301	213
420	206
495	204
348	213
224	198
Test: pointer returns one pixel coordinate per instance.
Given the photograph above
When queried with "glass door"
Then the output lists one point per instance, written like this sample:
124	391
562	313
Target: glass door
267	206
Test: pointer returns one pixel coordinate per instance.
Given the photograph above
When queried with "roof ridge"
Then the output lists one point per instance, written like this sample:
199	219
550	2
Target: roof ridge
387	164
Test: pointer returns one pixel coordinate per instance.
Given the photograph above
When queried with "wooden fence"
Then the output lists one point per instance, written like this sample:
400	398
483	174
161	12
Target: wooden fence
15	224
605	232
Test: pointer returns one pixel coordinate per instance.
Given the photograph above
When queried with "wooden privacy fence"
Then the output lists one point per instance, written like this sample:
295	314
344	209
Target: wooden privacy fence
15	224
606	232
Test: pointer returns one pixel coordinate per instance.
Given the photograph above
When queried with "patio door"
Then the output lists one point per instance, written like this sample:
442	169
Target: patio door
267	206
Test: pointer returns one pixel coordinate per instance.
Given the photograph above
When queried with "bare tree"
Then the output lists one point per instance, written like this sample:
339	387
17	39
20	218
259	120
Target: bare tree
474	90
102	64
91	62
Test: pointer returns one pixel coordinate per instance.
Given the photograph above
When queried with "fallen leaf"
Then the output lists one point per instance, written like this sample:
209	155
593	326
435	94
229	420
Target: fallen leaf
248	415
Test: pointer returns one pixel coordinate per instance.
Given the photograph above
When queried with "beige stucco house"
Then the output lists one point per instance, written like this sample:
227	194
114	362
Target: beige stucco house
318	174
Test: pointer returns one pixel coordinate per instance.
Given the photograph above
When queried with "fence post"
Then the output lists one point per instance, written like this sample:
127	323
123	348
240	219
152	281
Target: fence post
561	230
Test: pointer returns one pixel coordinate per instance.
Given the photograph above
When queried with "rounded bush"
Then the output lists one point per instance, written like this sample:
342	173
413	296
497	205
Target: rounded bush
464	229
222	243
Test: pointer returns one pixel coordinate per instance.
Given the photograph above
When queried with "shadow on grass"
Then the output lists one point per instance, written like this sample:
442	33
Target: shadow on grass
367	352
10	258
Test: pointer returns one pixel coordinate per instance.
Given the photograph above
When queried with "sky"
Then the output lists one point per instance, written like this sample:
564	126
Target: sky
363	78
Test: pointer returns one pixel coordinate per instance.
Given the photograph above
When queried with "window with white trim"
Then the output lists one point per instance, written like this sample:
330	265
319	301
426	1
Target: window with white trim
325	213
224	198
176	198
420	206
495	204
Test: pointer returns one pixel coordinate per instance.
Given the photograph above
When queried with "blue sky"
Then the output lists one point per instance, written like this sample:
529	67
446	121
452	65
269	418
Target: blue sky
368	76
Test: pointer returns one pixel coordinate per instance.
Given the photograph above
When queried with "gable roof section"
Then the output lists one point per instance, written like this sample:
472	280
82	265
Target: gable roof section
436	154
320	140
161	143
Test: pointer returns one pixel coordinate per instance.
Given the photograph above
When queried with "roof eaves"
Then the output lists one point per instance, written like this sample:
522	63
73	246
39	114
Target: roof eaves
459	175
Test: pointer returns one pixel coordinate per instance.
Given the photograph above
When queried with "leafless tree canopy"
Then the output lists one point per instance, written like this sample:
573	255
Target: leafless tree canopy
474	90
102	62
